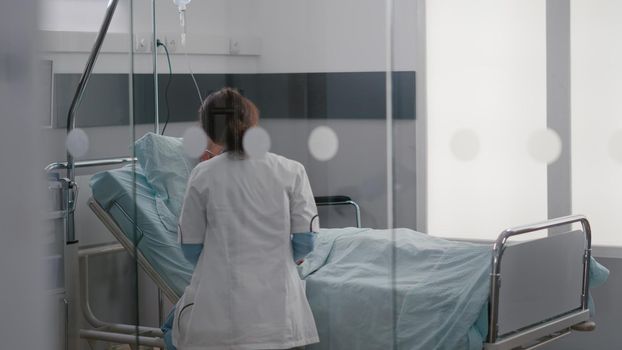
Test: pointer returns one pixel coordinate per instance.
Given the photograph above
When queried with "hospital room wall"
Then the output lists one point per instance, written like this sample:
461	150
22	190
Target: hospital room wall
346	36
296	37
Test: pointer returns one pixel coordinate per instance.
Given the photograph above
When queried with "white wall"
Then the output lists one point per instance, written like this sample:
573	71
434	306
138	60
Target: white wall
212	18
81	15
296	36
486	73
327	36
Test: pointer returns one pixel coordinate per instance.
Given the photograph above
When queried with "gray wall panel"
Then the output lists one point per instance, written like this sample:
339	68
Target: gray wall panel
353	95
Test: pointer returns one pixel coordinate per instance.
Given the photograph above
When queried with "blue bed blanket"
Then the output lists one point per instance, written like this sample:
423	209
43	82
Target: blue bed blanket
441	288
435	297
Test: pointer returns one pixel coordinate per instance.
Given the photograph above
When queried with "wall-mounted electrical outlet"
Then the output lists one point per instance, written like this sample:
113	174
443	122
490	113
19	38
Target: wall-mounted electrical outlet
142	43
198	44
172	42
234	47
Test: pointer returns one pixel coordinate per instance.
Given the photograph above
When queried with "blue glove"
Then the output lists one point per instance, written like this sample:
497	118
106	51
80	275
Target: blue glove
302	244
192	252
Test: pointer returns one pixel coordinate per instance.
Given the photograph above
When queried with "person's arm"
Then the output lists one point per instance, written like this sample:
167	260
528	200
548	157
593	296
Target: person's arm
192	252
192	221
303	212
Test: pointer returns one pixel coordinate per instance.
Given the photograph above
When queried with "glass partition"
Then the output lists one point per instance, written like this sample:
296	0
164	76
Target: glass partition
334	86
316	75
248	158
86	78
278	173
487	117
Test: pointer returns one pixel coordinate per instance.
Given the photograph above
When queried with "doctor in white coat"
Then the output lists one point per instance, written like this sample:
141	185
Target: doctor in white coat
240	211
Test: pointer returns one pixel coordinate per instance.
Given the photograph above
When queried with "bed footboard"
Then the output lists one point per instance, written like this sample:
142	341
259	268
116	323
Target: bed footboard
542	293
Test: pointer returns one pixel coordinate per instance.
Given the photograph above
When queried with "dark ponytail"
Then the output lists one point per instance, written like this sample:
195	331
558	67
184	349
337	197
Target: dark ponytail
225	116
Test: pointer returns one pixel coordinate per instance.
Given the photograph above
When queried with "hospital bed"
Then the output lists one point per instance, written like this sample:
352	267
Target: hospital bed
524	310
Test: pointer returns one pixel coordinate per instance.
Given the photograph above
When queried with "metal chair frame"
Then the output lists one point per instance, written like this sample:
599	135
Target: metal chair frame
322	201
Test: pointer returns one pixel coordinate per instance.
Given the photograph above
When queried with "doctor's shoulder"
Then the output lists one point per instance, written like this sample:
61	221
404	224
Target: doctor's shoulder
285	165
202	171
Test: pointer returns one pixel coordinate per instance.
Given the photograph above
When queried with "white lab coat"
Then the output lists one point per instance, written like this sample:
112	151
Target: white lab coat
245	292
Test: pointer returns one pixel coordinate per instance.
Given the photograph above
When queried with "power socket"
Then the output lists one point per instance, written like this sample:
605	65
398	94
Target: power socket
172	41
234	46
142	43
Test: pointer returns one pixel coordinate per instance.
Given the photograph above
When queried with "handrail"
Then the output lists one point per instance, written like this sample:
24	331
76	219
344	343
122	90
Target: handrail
497	253
89	163
132	339
100	250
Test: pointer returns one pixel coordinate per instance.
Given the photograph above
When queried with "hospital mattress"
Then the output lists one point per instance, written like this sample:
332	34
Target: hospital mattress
141	224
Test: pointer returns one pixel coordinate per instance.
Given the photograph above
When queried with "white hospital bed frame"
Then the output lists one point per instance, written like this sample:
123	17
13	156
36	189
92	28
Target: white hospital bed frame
529	338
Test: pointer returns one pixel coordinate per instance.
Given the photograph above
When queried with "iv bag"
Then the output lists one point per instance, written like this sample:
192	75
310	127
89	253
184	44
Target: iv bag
181	4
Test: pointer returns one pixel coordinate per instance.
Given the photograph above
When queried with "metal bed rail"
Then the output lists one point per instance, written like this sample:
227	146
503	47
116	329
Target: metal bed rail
547	331
89	163
69	189
86	307
91	334
106	331
116	231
